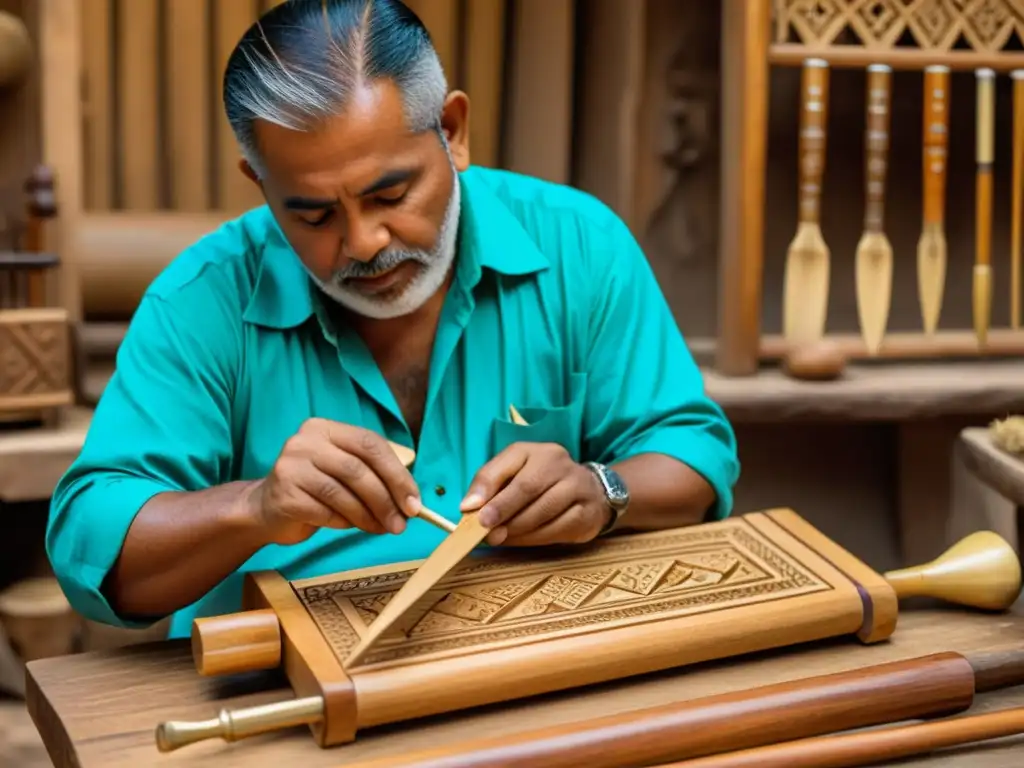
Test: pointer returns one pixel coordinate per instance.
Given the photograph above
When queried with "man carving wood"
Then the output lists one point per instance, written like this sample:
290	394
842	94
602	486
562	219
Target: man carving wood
387	291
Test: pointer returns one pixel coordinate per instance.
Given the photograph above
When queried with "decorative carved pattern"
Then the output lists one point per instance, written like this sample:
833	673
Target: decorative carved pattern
691	114
33	356
935	25
495	601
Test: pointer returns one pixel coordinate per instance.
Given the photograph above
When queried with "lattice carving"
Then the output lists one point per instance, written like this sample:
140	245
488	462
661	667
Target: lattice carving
933	25
33	355
498	602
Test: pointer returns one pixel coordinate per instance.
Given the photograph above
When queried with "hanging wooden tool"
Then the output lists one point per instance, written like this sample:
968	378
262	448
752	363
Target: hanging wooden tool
874	252
1018	194
983	203
931	248
805	292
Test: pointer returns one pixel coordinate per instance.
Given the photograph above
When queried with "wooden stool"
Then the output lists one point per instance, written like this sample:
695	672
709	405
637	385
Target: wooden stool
38	623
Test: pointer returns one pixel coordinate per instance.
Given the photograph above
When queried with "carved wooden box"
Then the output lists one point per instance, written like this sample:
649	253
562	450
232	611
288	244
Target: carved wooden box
512	624
34	360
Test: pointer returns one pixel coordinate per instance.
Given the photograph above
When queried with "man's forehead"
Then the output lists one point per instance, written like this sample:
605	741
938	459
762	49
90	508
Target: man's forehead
370	131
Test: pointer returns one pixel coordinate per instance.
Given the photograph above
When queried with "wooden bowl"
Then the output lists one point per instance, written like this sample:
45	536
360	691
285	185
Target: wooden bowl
15	50
818	361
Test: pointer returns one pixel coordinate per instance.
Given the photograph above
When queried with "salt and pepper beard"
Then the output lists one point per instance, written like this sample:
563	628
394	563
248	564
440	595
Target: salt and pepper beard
435	264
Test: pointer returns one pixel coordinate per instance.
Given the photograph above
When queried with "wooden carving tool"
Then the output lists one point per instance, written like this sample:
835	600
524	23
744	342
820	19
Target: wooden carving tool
410	599
983	202
876	747
1018	193
489	662
469	533
407	456
805	293
515	416
874	252
931	248
926	686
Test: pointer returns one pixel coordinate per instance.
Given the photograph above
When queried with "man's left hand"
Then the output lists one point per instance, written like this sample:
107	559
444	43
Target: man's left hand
532	494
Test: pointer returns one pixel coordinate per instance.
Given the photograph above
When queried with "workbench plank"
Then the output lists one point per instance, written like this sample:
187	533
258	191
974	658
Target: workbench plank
100	709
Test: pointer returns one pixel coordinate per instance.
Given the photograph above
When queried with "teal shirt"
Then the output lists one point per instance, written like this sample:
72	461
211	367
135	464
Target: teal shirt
553	309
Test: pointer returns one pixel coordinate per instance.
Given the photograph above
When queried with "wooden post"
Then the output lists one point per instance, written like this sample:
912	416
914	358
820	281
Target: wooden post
746	27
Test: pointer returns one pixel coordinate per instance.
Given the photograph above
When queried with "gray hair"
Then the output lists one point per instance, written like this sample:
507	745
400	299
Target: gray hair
303	60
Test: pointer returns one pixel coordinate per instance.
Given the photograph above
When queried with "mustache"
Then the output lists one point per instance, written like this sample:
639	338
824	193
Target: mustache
382	262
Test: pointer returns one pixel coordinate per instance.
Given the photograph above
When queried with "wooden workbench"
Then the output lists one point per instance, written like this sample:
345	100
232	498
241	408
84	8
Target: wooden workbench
100	709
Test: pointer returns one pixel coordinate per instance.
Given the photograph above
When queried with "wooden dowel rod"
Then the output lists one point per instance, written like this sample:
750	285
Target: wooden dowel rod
858	57
932	685
869	747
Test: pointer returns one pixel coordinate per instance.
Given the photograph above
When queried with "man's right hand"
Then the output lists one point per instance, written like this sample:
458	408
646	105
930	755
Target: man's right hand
332	475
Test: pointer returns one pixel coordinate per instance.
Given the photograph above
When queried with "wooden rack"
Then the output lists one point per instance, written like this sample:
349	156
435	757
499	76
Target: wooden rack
759	34
35	365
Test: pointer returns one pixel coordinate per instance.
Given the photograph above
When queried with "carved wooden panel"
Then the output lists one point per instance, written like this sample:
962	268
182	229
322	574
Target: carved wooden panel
936	25
488	604
34	361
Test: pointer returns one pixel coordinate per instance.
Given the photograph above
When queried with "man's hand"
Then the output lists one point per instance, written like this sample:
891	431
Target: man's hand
535	493
332	475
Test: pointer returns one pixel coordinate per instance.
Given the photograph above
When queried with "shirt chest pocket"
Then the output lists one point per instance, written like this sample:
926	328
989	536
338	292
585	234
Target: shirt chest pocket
561	424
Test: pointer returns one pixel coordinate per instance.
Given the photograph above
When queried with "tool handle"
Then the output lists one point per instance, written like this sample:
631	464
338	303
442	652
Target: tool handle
985	111
876	144
236	724
936	141
985	131
813	124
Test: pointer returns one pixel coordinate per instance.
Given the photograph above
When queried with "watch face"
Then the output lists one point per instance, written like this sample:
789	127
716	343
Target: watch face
617	492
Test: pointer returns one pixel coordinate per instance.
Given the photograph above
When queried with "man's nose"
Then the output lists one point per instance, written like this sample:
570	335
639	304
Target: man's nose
365	239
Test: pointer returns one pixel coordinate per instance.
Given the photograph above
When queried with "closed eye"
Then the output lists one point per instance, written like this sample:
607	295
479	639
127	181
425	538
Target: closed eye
392	199
320	220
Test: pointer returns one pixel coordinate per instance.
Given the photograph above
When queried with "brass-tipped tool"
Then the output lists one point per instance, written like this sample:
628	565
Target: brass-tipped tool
233	725
1018	193
874	252
983	203
805	292
931	247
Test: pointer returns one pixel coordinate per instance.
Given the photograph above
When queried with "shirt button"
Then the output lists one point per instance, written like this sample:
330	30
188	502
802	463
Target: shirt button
439	490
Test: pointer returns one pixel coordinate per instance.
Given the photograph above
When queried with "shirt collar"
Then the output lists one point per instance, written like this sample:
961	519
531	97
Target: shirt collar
490	237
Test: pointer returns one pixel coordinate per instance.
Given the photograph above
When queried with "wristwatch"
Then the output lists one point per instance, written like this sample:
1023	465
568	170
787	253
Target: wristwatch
615	492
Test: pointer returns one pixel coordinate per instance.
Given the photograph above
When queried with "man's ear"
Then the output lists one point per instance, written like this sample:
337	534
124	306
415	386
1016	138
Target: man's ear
246	169
455	124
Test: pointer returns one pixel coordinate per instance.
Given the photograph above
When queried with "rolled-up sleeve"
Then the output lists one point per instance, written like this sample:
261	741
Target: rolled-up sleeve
163	424
645	392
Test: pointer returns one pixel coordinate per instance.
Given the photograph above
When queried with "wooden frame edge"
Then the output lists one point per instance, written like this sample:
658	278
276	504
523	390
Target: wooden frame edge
309	663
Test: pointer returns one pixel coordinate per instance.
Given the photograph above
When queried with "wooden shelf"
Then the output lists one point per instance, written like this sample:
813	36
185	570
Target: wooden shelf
881	392
859	56
33	460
